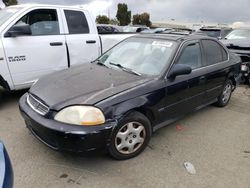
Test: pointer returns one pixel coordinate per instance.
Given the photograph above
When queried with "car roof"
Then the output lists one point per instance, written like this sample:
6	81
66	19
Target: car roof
215	28
175	37
34	5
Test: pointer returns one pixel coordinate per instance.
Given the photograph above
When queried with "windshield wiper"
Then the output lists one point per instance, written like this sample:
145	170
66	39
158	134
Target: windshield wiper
125	69
98	62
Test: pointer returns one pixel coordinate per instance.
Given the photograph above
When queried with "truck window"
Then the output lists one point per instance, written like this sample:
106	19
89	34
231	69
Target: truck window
77	22
42	22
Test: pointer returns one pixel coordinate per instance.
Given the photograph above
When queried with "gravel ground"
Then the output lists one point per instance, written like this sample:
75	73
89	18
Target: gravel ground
215	140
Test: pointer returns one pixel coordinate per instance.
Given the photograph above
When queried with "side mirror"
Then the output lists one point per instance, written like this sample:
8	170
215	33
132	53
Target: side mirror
18	30
179	69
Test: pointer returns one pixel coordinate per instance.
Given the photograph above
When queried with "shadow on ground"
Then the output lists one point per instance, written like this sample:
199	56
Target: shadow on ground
7	97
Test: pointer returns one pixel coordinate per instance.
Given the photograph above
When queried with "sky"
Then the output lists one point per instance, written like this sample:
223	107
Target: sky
218	11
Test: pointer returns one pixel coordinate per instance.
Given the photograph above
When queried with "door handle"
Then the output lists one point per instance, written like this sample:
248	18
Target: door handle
90	41
203	78
56	44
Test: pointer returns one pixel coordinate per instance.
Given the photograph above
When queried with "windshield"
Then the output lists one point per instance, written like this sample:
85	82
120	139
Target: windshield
212	33
6	13
239	34
140	55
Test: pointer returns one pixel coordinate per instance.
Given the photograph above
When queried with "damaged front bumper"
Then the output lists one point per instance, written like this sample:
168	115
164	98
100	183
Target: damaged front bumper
65	137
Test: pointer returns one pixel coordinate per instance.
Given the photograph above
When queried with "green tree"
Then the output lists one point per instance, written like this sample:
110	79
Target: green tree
123	15
136	19
102	19
142	19
10	2
113	22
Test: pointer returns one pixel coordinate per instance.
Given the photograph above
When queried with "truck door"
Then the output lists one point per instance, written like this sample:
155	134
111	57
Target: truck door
42	52
81	36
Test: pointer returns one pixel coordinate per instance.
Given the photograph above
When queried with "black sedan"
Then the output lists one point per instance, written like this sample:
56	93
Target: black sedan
117	102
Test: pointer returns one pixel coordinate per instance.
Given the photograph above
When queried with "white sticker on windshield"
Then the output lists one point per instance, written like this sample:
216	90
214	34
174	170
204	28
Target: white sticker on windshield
162	43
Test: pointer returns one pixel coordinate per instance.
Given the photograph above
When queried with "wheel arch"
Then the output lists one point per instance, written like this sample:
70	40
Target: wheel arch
134	105
231	76
4	83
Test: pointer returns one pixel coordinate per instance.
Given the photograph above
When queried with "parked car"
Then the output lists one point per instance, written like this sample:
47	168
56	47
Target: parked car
108	29
6	172
216	32
238	41
39	39
135	28
157	30
144	83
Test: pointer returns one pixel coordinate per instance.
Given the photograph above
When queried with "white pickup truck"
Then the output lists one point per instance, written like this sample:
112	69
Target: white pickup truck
36	40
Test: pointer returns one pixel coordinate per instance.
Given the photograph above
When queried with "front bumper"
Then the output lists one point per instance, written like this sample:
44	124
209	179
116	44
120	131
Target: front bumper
64	137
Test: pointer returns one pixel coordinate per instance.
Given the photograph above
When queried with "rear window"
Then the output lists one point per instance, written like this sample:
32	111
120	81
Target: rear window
77	22
214	52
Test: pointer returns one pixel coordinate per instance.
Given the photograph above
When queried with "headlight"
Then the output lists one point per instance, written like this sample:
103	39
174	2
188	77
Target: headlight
81	115
243	67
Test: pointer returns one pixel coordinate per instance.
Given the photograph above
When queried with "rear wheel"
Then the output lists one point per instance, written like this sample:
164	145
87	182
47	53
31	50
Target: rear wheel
225	96
130	137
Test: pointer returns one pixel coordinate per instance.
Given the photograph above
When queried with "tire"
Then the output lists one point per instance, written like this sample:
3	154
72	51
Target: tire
225	96
130	137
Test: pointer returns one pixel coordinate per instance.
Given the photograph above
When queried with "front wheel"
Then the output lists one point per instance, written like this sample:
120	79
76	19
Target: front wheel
225	96
130	137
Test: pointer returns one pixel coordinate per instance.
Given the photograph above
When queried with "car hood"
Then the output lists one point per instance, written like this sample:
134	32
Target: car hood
86	84
245	43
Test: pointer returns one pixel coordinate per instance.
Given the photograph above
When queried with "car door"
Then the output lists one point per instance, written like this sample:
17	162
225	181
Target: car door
41	52
81	36
216	59
186	92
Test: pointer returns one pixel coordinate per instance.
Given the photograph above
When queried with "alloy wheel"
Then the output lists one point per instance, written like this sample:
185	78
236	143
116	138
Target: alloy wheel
227	93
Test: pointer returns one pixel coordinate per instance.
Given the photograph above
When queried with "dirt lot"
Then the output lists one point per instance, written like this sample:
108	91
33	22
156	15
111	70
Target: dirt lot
216	141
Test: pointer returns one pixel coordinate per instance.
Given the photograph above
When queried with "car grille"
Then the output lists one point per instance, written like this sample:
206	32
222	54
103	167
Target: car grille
37	105
232	47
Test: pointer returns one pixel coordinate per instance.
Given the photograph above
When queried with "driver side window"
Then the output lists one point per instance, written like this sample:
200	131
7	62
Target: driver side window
42	22
191	56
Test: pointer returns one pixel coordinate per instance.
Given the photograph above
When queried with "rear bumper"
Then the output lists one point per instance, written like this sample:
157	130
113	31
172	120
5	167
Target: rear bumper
64	137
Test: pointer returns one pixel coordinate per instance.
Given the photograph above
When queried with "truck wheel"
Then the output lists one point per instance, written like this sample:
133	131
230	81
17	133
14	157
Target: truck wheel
225	96
130	137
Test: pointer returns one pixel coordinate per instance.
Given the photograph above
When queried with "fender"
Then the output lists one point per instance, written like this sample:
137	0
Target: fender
139	104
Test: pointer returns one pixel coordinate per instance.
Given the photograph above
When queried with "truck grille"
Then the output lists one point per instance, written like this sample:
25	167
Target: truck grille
37	105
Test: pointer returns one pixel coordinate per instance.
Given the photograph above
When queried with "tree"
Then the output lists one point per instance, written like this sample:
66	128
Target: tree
136	19
114	22
142	19
10	2
102	19
123	15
